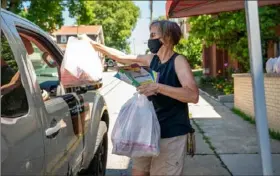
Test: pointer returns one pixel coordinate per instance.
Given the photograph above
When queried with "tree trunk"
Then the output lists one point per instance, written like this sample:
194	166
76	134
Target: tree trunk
4	4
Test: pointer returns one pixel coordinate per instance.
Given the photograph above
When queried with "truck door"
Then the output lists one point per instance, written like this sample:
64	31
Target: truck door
63	123
22	145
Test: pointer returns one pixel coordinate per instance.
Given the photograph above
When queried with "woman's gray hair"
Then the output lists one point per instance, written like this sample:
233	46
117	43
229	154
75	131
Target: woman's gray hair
170	30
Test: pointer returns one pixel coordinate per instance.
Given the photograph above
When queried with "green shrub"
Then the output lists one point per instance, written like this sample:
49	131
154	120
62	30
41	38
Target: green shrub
191	48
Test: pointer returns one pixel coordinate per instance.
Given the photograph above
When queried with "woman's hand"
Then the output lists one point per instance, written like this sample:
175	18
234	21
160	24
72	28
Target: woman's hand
45	95
148	89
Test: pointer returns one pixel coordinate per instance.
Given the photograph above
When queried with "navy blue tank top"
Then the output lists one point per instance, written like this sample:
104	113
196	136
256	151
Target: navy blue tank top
173	115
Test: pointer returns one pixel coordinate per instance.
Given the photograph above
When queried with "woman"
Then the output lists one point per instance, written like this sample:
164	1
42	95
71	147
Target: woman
170	96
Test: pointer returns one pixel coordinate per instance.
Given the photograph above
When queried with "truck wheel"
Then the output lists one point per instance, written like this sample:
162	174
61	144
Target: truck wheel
111	63
99	162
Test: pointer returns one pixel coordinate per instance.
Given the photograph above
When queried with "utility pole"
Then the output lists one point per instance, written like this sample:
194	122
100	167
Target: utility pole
151	11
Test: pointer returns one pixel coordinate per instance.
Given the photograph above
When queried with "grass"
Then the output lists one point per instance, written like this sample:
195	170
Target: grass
273	134
243	116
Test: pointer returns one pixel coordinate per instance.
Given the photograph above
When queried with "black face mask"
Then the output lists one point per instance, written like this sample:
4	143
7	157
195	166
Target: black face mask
154	45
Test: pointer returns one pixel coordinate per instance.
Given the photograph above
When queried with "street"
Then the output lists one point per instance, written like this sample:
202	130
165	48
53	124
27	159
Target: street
116	93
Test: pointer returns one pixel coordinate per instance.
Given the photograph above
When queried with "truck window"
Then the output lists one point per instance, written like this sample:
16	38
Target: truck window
45	66
13	96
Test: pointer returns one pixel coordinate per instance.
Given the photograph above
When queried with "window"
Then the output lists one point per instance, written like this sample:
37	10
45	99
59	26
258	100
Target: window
45	67
63	39
13	96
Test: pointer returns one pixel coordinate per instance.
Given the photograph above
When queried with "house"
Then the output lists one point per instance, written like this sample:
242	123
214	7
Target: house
215	59
95	32
274	47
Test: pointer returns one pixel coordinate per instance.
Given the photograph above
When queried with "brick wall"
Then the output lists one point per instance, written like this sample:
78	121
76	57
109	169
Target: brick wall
243	99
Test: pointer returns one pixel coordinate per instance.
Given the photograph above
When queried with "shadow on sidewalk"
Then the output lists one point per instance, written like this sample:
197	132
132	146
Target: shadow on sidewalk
232	138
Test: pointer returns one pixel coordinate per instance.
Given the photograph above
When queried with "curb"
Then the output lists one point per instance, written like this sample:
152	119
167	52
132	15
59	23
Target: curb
210	96
213	98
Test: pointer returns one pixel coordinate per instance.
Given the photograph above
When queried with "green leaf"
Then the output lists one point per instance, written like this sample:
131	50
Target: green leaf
118	19
228	31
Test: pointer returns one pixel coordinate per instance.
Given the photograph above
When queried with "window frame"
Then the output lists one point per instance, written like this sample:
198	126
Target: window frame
41	46
46	44
63	39
7	34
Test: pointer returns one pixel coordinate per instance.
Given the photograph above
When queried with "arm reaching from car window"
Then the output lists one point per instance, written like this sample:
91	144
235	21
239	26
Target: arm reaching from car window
117	55
14	83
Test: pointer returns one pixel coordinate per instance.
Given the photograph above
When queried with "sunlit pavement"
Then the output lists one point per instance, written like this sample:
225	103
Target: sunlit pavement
226	144
116	93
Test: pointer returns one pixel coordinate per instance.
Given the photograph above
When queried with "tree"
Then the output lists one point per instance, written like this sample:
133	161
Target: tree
191	48
118	19
162	18
44	13
12	5
228	31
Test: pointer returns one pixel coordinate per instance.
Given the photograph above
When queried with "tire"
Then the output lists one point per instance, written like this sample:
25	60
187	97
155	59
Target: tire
111	63
105	69
98	164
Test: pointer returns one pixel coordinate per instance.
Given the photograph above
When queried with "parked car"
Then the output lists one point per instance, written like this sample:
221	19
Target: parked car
109	63
61	132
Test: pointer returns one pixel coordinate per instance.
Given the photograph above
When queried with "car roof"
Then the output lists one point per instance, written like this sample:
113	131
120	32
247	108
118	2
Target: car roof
3	11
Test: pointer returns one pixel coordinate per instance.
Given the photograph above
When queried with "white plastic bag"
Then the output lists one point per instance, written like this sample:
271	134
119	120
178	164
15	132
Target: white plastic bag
81	64
277	65
136	132
270	65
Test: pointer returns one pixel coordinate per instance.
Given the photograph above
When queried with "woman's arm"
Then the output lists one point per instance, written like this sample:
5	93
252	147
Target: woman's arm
118	55
189	91
14	83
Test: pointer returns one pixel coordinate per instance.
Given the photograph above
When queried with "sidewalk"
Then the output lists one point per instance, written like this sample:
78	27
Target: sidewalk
226	144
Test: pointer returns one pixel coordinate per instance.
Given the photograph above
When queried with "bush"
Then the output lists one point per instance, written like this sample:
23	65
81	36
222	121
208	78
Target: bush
191	48
206	80
224	85
220	84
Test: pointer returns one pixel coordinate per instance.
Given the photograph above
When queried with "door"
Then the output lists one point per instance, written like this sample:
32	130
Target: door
22	145
63	127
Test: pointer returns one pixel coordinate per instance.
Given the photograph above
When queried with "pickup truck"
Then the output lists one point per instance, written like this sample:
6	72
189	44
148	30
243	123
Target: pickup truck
46	129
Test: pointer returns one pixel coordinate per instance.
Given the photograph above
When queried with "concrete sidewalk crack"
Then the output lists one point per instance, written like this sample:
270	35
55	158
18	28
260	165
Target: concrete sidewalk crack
207	140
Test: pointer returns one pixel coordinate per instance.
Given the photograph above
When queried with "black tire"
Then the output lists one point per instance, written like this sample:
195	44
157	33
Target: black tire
111	63
98	164
105	69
